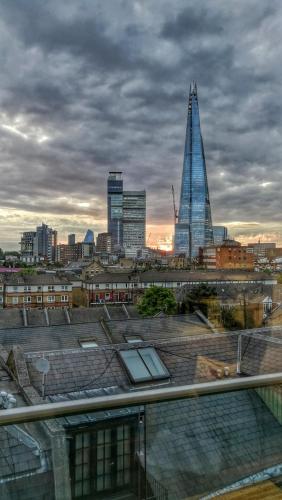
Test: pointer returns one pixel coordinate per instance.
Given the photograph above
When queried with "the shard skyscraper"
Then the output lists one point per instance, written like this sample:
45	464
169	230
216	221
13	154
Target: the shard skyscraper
194	226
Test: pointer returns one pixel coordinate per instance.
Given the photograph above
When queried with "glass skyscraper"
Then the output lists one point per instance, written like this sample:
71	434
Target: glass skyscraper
194	227
115	207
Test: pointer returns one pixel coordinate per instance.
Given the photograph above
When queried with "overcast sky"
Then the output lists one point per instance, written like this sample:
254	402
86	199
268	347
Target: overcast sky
89	86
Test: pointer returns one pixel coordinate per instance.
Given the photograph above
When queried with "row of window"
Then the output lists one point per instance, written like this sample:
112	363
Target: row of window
50	298
28	288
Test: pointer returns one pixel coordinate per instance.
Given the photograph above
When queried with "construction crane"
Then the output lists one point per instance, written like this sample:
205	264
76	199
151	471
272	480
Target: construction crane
175	212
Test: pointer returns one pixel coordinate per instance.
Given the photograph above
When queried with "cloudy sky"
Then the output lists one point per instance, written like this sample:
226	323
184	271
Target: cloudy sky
89	86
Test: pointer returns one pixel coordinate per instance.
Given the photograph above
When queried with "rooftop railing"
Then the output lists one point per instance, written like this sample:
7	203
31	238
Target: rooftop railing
196	441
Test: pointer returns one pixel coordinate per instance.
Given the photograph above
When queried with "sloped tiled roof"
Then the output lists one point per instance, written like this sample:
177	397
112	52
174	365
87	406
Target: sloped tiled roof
54	337
158	327
200	445
76	369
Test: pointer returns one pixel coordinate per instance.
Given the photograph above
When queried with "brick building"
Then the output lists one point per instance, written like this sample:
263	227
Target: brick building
75	252
127	286
40	291
230	255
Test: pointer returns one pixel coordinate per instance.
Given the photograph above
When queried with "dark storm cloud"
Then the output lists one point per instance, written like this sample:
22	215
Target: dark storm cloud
89	86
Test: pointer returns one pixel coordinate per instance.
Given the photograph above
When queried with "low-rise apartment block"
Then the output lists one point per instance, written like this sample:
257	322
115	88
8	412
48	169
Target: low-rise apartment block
230	255
40	291
128	286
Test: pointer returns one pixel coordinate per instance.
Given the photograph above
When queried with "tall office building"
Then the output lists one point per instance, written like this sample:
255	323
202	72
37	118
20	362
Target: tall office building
89	236
104	242
134	222
71	239
126	216
115	202
39	244
194	227
220	234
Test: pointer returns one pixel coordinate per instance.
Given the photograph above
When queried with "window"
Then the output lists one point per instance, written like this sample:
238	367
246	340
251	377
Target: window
143	364
132	339
51	288
93	454
27	299
39	288
64	287
97	286
64	298
38	298
15	300
15	287
27	288
107	285
51	298
88	343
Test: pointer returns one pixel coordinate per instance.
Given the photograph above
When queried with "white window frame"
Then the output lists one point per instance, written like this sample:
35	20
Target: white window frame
15	300
64	298
39	299
51	298
27	299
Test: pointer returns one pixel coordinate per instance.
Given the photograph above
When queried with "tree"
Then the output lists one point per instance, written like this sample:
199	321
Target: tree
1	254
157	299
198	297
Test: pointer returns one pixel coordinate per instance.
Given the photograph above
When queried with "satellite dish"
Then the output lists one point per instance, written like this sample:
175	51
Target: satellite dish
42	365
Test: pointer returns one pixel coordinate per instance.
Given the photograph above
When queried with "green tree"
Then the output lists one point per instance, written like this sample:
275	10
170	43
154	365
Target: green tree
228	319
157	299
198	298
28	271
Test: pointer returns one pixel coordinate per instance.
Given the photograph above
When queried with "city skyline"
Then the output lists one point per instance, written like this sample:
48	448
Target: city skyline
90	90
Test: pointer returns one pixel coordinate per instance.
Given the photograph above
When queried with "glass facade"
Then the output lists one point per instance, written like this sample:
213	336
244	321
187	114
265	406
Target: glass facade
115	207
194	227
220	234
134	222
89	237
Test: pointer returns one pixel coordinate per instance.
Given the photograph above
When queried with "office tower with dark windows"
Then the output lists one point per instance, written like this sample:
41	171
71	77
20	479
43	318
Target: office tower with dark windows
134	222
39	245
46	242
115	207
220	234
71	239
104	243
193	229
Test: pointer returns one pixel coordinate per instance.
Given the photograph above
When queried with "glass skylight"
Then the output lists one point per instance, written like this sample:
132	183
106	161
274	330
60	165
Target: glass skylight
132	339
143	364
87	344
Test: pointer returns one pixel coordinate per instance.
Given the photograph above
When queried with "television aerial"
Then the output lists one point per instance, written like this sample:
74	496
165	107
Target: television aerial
42	365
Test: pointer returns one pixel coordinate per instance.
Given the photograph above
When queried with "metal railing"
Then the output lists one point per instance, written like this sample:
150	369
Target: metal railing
142	397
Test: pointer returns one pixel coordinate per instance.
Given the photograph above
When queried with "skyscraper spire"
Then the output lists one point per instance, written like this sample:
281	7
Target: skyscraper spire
194	227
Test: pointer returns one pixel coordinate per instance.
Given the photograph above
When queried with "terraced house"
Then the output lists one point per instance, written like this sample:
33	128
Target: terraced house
38	291
105	287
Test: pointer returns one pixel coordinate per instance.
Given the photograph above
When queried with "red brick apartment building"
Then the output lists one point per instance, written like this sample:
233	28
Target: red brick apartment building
230	255
40	291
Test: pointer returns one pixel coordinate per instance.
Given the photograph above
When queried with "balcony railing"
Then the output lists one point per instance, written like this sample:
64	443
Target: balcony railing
195	441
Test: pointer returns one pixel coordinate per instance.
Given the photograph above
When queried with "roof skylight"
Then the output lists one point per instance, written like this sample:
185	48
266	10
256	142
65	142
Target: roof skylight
143	364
